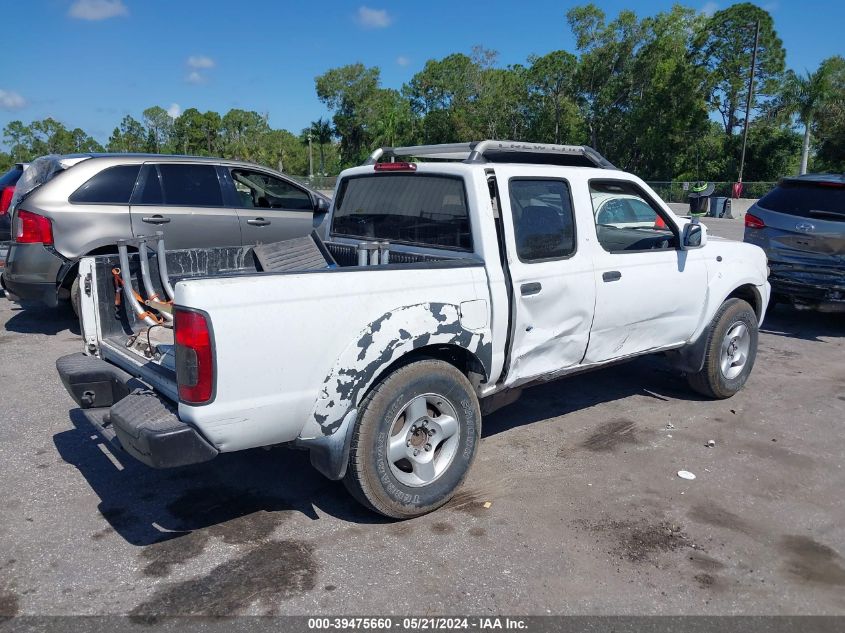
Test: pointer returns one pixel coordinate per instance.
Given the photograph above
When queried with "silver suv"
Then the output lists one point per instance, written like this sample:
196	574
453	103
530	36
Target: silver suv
81	205
801	226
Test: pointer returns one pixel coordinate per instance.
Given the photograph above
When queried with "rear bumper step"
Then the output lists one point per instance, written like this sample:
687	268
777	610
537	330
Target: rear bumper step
122	407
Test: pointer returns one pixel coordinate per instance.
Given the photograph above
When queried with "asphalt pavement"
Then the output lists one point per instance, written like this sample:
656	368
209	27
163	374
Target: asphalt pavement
573	505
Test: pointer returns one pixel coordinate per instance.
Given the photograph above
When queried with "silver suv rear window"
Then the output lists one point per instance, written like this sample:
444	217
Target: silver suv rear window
113	185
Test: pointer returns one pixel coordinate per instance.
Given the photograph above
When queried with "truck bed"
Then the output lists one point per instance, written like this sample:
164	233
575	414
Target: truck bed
148	351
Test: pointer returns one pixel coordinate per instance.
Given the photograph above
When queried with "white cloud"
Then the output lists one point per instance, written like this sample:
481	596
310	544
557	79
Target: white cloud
771	7
373	18
402	60
197	65
97	9
195	78
174	110
709	8
200	61
11	100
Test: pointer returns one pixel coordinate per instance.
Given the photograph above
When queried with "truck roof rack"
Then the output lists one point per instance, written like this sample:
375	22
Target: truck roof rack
499	152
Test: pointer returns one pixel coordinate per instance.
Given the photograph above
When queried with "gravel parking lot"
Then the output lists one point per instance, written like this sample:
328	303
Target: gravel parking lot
586	513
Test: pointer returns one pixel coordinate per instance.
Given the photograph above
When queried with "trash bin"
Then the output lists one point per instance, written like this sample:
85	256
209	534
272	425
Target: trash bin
717	206
698	196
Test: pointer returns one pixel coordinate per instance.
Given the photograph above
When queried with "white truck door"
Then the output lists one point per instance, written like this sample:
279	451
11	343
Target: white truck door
551	272
649	293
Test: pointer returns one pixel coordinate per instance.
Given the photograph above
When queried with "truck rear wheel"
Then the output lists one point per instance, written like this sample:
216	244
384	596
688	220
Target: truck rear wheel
416	435
731	350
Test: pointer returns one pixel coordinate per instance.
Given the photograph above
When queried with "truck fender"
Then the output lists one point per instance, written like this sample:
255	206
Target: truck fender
328	431
690	358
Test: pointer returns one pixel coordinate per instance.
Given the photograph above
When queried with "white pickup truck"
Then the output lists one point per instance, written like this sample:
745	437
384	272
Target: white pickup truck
442	287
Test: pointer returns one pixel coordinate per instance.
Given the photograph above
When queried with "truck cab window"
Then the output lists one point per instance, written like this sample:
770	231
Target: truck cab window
543	224
626	221
420	209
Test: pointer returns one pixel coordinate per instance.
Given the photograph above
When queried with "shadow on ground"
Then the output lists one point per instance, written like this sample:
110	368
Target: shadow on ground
782	320
43	320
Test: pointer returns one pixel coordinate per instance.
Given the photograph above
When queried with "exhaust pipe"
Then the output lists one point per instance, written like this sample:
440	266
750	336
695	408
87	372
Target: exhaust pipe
161	256
149	289
128	288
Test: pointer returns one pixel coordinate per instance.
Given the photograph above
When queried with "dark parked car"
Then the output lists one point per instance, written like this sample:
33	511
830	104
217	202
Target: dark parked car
67	207
7	190
801	226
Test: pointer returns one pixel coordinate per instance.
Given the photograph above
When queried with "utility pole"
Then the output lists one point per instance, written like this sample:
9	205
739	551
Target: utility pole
310	158
748	100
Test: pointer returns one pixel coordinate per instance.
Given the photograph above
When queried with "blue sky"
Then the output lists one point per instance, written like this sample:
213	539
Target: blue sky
88	63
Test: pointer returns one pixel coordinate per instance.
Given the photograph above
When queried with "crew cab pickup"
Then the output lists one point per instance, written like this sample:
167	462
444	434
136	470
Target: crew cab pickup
448	279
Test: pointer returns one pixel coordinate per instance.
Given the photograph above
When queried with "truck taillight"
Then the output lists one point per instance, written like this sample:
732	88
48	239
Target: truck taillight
194	356
32	228
6	199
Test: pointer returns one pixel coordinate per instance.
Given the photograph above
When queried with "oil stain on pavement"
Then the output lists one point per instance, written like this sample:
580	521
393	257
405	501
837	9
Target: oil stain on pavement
273	570
812	561
608	436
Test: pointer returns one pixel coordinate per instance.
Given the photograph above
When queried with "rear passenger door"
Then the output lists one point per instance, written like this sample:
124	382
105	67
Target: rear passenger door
552	276
185	201
269	208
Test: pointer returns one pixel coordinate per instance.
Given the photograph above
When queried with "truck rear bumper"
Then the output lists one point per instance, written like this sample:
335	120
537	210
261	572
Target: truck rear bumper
128	413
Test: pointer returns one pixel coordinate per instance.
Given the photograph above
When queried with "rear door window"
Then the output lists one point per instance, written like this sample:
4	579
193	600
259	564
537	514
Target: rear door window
185	185
257	190
806	200
113	185
544	226
423	209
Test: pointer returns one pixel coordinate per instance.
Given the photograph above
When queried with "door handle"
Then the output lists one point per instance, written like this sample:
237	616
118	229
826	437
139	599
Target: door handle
155	219
258	222
530	289
611	275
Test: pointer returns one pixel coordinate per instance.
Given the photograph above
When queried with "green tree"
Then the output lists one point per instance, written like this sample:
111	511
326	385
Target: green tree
129	136
552	79
724	45
242	133
346	91
805	96
160	129
322	133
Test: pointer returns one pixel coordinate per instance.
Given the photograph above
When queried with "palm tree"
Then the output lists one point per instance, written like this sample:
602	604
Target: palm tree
322	132
804	96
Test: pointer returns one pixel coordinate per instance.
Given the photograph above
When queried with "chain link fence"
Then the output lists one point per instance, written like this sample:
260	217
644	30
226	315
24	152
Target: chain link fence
320	183
675	192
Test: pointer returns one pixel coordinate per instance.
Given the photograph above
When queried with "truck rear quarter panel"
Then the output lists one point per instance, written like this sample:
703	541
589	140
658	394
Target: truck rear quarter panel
296	352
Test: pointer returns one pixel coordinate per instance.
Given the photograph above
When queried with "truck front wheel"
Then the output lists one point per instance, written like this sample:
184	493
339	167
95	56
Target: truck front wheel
731	350
416	435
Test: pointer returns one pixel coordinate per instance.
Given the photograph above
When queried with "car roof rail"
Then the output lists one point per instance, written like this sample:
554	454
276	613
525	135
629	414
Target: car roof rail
492	151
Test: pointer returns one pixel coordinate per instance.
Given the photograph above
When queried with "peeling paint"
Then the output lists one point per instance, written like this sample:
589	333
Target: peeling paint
387	339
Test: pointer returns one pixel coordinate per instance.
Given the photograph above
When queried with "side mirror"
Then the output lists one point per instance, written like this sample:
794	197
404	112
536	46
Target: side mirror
321	207
693	236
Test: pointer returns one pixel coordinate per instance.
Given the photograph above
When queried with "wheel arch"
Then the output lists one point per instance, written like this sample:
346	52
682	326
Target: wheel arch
749	294
382	347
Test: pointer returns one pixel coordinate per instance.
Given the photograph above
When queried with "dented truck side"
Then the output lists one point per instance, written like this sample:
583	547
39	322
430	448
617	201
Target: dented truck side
504	277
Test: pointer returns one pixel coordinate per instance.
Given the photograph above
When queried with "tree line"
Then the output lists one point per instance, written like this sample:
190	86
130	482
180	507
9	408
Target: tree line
662	96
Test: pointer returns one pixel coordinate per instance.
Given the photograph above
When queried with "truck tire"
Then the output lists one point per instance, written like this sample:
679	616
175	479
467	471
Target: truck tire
416	435
730	353
75	296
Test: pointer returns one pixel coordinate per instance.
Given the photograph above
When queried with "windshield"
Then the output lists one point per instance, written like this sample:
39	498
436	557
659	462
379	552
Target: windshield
423	209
